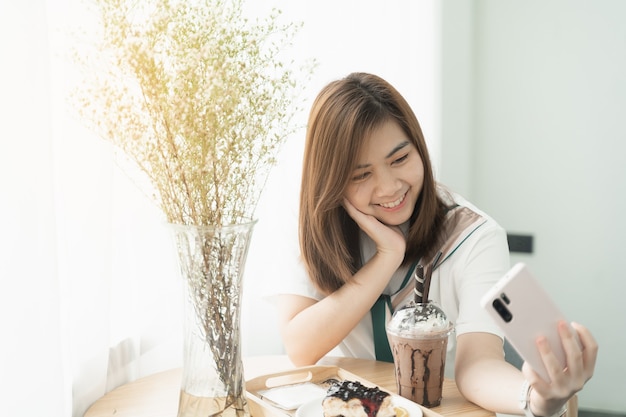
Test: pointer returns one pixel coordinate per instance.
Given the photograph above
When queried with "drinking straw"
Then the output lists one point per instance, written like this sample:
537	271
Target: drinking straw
429	276
418	291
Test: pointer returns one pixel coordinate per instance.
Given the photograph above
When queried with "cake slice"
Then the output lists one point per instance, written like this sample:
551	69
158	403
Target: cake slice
353	399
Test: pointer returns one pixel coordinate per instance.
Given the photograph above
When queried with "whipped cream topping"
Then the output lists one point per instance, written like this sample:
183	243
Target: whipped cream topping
419	319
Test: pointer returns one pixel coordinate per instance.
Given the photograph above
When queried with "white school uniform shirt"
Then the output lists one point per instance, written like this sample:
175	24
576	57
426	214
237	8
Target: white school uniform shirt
473	263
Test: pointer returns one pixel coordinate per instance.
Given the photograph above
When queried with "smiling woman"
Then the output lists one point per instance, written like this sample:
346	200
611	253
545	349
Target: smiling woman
403	48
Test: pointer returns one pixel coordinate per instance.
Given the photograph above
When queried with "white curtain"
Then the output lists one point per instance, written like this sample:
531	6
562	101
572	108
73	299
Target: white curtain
32	348
88	293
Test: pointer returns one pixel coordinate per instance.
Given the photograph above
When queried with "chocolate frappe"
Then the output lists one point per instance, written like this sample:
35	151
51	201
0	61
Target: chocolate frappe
418	336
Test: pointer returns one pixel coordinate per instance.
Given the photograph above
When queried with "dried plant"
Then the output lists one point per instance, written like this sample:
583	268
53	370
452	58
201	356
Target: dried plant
197	96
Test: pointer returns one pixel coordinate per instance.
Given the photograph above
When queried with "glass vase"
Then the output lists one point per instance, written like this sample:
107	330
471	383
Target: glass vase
212	261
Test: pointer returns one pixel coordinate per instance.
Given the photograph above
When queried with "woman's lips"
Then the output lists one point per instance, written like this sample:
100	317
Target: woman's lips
393	204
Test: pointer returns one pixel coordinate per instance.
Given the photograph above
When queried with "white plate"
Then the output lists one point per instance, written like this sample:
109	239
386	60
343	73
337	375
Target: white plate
314	408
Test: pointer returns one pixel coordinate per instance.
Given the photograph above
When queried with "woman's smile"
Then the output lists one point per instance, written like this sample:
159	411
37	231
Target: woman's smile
393	204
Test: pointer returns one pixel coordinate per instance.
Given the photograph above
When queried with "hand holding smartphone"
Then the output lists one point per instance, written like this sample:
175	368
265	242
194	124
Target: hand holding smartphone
524	311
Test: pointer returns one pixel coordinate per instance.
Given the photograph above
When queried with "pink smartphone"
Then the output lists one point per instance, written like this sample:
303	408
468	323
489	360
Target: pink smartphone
524	310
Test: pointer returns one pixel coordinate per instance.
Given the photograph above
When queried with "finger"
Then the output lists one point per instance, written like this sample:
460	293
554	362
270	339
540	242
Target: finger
368	223
589	348
558	386
573	355
553	366
348	206
388	239
355	213
532	377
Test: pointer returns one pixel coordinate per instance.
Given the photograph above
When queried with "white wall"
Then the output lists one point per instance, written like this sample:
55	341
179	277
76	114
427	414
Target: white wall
533	120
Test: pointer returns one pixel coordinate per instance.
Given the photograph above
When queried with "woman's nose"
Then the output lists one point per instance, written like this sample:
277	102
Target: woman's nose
387	184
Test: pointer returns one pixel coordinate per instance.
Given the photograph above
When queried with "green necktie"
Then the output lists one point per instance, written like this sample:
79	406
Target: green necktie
379	321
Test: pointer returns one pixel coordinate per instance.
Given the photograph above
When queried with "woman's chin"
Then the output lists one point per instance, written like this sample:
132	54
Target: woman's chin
393	221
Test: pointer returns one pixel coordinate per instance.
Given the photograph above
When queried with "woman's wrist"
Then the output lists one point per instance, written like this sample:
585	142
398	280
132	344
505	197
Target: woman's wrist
389	259
531	408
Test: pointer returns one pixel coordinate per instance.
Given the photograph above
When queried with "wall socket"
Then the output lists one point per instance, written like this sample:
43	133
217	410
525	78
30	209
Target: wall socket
520	243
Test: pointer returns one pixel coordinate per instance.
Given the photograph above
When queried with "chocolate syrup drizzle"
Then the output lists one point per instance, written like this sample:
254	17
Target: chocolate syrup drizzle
422	356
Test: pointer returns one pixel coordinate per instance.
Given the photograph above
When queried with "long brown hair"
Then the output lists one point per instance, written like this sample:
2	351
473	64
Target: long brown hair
344	113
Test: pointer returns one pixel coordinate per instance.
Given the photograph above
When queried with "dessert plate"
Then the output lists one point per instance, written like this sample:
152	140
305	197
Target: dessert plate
314	408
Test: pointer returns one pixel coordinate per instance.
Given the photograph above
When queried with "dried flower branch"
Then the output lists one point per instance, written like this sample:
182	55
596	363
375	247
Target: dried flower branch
197	97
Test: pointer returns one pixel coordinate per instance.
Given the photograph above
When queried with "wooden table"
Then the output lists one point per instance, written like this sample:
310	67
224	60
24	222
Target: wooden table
157	395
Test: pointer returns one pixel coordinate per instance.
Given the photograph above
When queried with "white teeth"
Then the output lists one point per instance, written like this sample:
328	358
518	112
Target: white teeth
393	203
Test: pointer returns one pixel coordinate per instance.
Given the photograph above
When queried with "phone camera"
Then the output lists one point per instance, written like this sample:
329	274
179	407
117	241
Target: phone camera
505	298
504	312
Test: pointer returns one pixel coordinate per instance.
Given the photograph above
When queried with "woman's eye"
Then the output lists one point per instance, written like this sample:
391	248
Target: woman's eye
361	176
401	159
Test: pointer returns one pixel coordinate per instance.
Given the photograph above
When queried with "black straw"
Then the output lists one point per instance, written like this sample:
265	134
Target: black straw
429	276
418	291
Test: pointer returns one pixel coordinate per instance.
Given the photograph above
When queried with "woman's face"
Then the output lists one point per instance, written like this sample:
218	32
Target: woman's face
389	176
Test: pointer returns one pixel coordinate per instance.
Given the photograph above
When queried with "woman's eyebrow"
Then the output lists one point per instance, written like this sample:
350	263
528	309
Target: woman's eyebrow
397	148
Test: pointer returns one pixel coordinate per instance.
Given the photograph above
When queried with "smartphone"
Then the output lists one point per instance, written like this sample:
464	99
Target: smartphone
524	310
